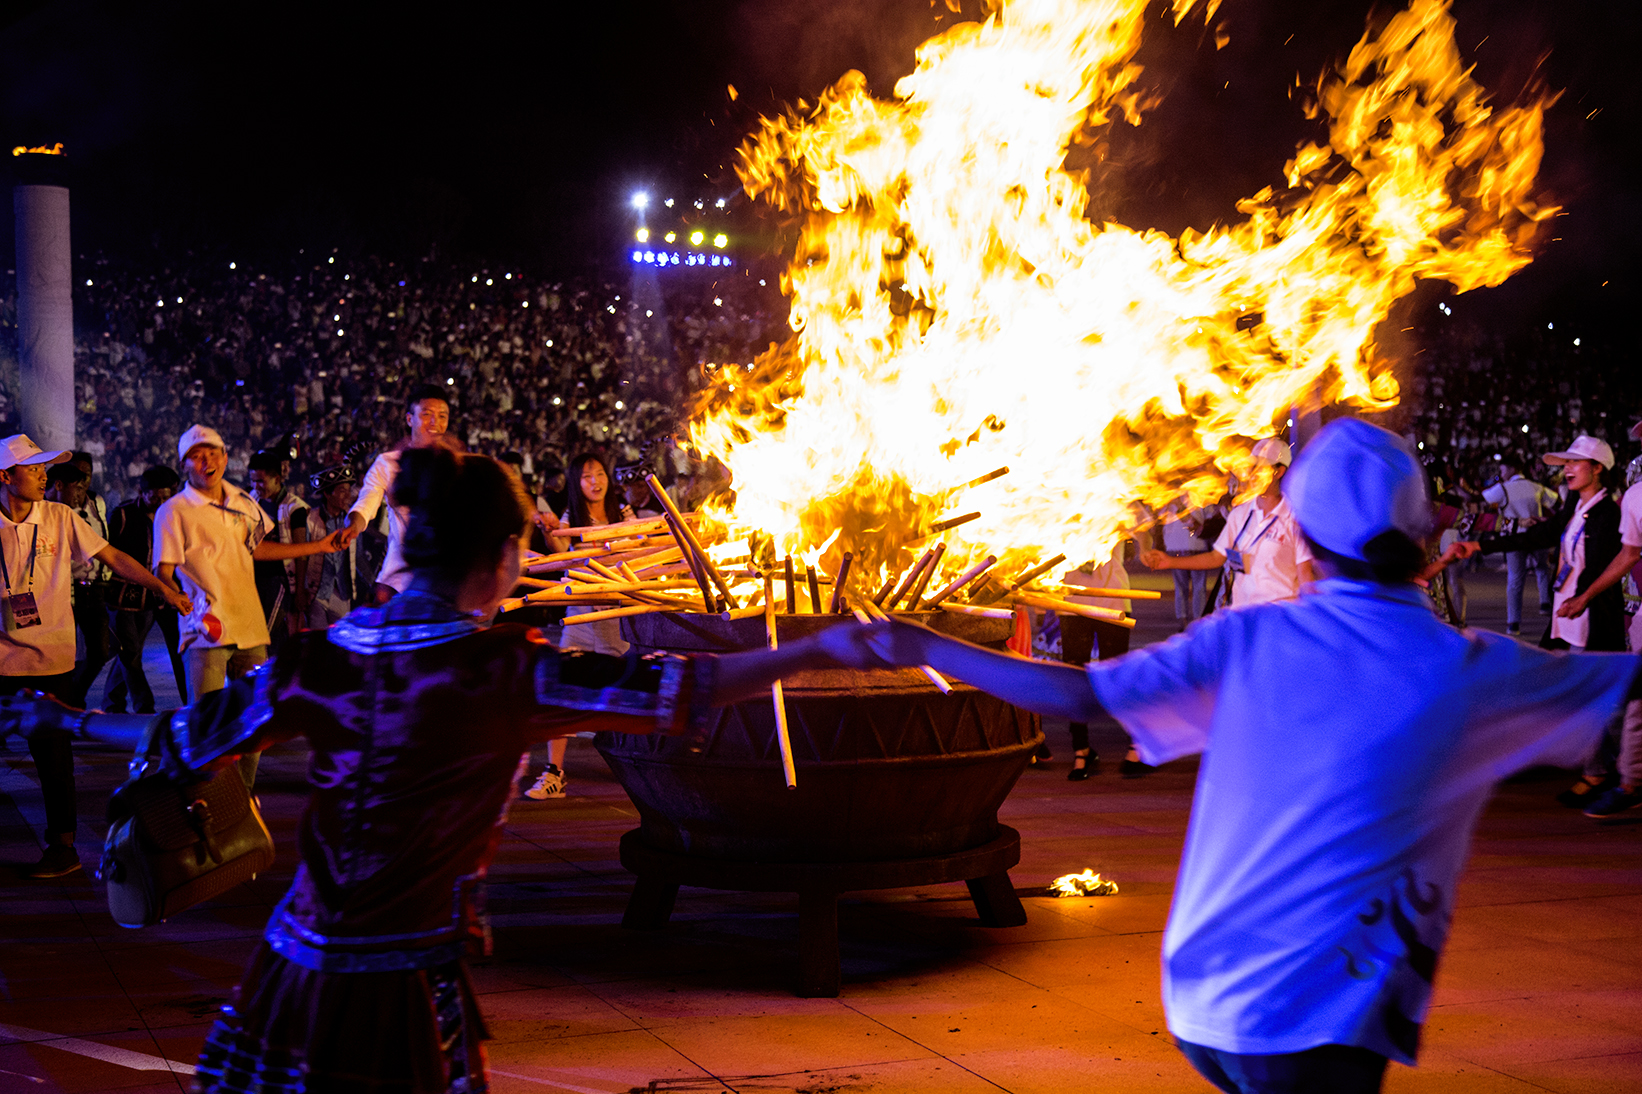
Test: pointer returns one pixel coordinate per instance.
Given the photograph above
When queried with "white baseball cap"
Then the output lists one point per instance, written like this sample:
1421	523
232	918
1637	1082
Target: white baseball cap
1355	482
1273	450
1583	448
197	435
17	450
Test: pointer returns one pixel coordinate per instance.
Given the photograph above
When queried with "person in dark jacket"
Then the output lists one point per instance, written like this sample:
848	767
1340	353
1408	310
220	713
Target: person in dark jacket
1585	529
133	610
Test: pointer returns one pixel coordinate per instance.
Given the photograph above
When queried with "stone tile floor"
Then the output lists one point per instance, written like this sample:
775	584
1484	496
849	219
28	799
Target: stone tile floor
1540	987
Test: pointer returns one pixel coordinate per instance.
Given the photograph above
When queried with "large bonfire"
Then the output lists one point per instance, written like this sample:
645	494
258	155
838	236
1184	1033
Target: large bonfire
954	312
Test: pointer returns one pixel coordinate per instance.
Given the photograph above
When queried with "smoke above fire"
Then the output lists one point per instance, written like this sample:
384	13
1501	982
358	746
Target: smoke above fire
954	311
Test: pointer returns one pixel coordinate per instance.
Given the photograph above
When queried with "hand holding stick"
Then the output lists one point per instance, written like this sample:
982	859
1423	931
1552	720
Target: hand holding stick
868	612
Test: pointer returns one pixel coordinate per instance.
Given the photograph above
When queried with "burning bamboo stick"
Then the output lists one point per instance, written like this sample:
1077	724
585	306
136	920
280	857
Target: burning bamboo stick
693	560
595	533
965	578
838	585
815	589
950	523
1036	571
868	612
1088	611
911	578
923	581
686	534
984	613
792	591
781	737
988	477
888	585
748	612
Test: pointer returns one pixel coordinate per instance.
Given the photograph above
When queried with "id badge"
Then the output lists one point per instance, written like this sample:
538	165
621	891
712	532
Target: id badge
1561	577
20	611
1234	559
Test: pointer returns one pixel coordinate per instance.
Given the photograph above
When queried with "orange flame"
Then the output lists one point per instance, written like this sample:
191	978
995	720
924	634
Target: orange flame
953	310
40	150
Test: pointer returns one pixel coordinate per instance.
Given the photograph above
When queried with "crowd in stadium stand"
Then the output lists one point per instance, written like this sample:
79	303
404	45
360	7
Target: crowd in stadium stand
323	350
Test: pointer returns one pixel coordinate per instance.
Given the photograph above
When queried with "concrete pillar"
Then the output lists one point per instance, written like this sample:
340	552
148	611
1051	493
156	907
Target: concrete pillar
45	315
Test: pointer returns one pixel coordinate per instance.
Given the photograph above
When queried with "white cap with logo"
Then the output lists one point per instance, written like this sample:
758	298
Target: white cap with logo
1583	448
198	435
1354	482
18	450
1273	450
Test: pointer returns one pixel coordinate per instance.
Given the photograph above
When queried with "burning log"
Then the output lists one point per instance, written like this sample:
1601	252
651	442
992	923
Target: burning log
950	523
686	536
966	578
837	604
923	580
911	579
781	736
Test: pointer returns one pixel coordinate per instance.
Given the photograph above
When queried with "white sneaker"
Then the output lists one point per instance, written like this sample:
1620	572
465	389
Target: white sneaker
549	784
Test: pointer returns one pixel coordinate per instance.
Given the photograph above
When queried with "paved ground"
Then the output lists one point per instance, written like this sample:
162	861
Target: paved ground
1540	988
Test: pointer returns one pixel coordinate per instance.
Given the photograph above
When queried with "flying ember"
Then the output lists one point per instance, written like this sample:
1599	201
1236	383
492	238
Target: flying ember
954	312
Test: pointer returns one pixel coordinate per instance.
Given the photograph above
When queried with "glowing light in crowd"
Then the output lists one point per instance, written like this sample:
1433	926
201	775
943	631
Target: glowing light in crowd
696	238
954	310
642	235
720	240
671	237
641	200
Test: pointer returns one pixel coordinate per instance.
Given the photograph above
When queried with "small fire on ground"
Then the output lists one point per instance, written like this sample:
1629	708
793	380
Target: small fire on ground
1087	883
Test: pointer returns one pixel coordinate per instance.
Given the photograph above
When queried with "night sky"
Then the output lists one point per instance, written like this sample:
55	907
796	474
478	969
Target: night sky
516	134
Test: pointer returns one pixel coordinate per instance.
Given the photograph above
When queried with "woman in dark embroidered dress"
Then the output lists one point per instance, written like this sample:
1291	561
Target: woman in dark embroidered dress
417	712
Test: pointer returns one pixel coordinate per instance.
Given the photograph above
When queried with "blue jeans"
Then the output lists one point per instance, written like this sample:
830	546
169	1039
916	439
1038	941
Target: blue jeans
1190	588
1336	1069
1516	564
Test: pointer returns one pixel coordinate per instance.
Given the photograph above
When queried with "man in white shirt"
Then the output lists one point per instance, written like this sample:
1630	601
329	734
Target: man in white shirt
428	418
1260	551
1522	503
1315	893
40	542
208	536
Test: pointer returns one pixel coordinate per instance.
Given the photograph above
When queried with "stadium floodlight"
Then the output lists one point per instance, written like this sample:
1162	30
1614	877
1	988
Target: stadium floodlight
641	200
671	237
696	238
642	235
720	240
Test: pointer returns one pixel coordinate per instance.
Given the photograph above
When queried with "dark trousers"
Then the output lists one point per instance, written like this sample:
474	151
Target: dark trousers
1334	1069
1080	637
91	616
53	754
130	633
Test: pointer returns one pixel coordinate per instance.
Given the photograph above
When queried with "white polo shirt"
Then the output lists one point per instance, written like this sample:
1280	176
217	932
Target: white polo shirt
211	545
1350	740
63	540
1272	550
373	493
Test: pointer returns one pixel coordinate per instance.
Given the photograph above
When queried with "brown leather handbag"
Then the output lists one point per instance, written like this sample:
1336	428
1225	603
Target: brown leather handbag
174	842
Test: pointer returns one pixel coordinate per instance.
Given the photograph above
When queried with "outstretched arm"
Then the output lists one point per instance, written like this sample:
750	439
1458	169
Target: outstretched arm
1208	560
1059	691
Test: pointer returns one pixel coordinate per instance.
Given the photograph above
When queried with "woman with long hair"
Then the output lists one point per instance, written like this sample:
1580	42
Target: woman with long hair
591	503
417	712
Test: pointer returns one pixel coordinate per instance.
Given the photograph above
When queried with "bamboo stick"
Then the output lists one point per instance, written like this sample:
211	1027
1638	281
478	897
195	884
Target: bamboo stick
1088	611
923	581
781	737
693	560
557	561
1107	594
792	589
686	534
620	613
888	585
911	578
988	477
838	584
868	612
748	612
815	590
594	533
950	523
984	613
965	578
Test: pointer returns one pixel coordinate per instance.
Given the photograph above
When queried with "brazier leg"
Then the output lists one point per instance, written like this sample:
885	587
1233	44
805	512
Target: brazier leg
650	906
818	945
996	902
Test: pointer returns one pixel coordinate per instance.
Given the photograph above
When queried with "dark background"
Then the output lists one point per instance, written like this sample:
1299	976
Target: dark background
517	133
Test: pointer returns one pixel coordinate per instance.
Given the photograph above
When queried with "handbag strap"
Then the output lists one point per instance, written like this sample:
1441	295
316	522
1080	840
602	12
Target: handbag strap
148	746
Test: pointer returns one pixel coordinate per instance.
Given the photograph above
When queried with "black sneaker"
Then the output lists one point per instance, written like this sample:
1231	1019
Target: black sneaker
59	860
1584	792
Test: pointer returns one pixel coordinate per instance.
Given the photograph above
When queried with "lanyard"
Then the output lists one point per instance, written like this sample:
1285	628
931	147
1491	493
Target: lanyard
33	547
1238	538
